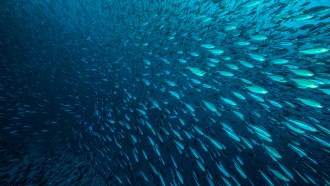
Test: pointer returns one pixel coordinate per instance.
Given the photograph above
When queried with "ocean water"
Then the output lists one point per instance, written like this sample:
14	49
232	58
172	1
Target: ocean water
165	92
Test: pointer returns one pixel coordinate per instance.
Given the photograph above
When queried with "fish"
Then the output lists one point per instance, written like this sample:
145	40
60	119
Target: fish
302	125
272	152
257	89
310	103
317	50
258	37
279	175
197	71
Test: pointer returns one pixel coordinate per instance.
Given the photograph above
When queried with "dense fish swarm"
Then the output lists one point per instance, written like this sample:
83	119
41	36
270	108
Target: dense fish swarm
165	92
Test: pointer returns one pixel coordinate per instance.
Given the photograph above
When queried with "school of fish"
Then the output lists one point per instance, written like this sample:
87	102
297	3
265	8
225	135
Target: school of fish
165	92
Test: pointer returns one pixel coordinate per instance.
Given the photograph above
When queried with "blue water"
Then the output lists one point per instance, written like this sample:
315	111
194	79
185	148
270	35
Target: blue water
173	92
